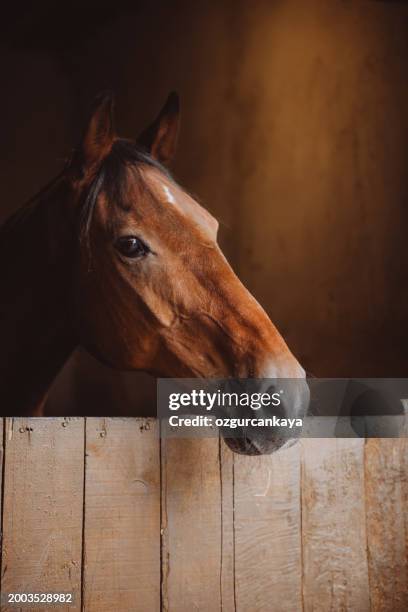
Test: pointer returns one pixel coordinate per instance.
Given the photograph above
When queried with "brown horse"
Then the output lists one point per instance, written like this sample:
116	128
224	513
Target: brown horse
116	256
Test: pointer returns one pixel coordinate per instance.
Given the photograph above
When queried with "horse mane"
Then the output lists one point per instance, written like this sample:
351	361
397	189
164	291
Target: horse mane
26	209
112	177
16	222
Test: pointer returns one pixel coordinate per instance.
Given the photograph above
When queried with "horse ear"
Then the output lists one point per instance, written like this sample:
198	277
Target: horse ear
99	134
160	138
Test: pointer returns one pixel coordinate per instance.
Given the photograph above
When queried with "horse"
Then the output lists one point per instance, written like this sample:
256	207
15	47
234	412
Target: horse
115	256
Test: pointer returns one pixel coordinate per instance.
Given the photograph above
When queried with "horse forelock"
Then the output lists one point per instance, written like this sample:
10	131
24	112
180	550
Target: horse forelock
113	178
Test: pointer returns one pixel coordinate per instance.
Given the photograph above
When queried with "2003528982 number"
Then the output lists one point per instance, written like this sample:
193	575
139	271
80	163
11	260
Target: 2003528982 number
50	598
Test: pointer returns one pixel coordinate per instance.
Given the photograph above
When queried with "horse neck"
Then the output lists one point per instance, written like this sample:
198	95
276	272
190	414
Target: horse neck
36	327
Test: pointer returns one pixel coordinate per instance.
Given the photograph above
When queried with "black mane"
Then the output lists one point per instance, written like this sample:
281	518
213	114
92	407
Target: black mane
112	178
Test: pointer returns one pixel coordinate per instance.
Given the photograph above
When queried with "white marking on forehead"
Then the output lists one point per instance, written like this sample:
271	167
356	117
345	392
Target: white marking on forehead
170	197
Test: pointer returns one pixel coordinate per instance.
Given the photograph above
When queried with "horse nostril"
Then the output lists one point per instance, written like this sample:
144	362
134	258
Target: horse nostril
279	410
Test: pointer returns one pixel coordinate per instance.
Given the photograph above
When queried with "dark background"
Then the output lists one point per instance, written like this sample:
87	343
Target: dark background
294	134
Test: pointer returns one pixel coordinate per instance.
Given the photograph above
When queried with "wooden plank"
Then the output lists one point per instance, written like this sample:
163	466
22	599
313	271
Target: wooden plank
386	469
227	458
122	515
267	532
43	507
333	525
191	525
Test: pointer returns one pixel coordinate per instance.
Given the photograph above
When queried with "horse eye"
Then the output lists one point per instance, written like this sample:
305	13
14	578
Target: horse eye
130	246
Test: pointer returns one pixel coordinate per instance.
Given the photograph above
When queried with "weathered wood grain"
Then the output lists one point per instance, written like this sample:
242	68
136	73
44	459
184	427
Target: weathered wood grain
268	568
228	603
43	504
335	571
191	524
233	533
122	516
386	472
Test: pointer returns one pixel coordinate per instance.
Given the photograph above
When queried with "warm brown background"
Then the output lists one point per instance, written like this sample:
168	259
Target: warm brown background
295	135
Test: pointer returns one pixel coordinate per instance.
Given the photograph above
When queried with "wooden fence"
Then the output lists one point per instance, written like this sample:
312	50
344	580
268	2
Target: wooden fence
103	509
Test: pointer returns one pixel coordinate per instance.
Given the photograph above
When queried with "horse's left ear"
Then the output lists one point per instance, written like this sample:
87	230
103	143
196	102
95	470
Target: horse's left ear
99	134
160	138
